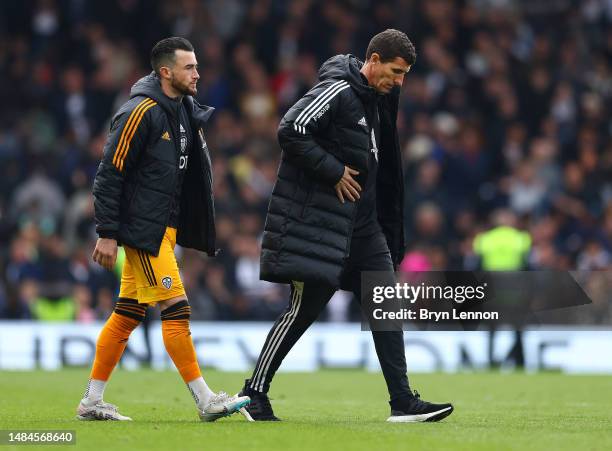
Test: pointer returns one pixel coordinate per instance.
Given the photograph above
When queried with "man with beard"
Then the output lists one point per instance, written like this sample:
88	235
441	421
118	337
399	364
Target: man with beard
337	210
153	189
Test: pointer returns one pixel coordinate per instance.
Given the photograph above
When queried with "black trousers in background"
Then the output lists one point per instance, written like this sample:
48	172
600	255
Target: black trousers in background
309	299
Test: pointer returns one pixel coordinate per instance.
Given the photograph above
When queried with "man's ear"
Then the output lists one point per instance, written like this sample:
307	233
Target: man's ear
165	72
375	58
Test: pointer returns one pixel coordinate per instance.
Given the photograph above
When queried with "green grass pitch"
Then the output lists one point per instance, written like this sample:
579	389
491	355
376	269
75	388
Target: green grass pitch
326	410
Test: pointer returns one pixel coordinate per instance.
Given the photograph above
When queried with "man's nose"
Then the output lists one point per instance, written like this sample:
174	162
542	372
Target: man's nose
399	80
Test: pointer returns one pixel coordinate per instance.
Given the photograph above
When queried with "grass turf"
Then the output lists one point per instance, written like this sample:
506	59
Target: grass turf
323	410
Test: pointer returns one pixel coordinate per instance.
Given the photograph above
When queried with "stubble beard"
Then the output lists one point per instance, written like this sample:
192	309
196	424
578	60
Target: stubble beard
183	89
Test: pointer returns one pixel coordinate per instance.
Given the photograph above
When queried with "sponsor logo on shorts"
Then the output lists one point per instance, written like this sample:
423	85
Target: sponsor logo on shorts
167	282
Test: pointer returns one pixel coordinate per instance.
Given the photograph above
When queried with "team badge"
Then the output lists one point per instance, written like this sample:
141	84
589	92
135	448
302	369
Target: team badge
167	282
183	138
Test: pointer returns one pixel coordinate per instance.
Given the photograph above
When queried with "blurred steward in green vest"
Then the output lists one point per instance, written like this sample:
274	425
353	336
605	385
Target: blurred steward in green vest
504	247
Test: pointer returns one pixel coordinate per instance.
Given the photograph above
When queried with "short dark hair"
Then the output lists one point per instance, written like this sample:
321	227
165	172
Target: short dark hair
163	53
391	44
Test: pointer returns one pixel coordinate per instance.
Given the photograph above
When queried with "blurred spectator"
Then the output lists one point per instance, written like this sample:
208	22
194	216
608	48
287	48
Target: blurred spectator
526	192
38	199
265	298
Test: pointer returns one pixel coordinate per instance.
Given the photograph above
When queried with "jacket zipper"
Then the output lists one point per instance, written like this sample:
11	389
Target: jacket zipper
174	129
207	169
347	251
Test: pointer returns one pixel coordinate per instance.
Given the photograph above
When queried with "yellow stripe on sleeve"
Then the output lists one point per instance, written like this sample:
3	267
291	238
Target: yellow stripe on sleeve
126	127
135	125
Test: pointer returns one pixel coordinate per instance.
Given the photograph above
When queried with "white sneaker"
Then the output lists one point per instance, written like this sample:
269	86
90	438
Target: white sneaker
100	411
222	405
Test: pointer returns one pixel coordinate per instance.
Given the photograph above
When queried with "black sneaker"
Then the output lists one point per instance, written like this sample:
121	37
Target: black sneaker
412	409
260	408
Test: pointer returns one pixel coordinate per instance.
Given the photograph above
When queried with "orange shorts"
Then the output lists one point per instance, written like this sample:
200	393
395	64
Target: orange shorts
150	279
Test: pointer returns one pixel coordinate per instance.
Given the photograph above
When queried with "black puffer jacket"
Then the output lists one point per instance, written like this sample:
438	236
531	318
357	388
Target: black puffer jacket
308	230
135	183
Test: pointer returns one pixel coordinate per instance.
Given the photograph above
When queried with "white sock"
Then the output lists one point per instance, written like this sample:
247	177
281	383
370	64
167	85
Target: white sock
200	391
94	391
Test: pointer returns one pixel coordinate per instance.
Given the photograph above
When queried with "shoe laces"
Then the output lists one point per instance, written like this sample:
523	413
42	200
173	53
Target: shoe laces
418	403
100	404
220	397
108	405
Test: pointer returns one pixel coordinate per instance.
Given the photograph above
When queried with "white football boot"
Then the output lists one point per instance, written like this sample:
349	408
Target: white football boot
100	411
222	405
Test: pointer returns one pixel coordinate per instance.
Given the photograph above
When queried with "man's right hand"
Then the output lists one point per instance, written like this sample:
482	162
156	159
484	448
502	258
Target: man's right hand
105	253
348	186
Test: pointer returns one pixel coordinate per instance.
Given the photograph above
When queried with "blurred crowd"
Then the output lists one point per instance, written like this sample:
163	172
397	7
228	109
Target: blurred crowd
505	123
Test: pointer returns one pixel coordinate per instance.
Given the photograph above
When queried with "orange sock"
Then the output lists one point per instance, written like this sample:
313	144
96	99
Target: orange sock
111	344
178	342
